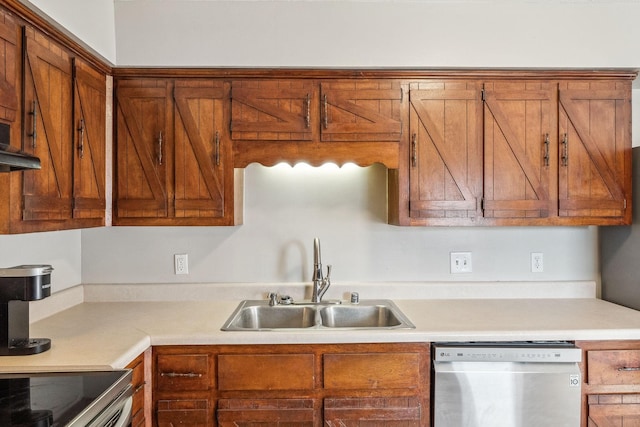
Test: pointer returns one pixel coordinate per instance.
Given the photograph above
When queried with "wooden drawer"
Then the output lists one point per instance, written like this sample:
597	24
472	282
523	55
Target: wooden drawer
272	412
183	372
372	370
613	367
404	411
266	371
192	412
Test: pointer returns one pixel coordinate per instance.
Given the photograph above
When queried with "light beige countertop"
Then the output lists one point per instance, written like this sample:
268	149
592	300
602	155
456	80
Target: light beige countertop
109	334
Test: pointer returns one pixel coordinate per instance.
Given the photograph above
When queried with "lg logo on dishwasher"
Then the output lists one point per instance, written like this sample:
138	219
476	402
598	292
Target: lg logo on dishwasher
574	380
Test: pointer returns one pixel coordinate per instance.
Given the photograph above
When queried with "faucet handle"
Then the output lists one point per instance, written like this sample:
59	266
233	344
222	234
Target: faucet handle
328	272
273	298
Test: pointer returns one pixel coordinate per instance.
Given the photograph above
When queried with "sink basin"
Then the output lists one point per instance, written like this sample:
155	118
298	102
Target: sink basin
359	316
258	315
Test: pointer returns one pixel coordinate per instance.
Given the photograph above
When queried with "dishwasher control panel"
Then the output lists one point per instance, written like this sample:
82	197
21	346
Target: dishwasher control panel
530	352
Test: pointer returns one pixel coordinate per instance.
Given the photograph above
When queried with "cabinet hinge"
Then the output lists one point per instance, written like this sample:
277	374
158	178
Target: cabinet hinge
482	204
625	203
230	125
482	95
401	95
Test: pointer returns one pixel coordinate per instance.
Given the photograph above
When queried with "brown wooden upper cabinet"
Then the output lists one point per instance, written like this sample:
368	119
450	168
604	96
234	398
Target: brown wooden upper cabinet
317	121
62	117
361	111
517	152
445	170
173	154
595	150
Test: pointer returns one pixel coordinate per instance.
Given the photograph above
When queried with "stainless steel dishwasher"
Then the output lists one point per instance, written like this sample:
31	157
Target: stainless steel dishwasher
515	384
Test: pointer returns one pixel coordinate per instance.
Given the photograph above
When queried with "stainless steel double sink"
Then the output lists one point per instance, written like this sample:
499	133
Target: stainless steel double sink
258	315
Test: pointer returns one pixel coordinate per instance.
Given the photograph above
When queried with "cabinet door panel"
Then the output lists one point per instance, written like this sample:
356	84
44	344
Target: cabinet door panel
277	110
595	163
8	67
187	412
361	111
383	411
519	145
90	142
141	154
617	410
48	131
446	150
199	157
260	412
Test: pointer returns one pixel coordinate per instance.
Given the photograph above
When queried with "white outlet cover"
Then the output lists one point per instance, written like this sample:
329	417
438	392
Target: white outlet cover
537	262
181	264
461	262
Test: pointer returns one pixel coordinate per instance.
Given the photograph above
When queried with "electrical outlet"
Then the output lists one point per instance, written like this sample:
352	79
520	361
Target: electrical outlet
181	263
537	262
461	262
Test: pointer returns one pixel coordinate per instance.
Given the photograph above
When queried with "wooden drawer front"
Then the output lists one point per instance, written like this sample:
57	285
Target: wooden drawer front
613	367
193	413
274	412
265	372
616	410
371	370
181	372
352	412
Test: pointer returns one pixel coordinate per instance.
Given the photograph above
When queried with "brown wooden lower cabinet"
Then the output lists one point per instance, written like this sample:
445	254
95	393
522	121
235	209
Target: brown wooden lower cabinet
611	383
292	385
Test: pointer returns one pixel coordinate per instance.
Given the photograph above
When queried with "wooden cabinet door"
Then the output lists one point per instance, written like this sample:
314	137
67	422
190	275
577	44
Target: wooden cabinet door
382	411
595	149
261	412
445	172
9	71
202	153
613	410
272	110
90	102
184	412
143	108
369	110
520	139
48	128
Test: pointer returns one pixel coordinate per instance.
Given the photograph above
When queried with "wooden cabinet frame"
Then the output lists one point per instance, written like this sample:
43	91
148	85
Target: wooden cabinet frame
340	383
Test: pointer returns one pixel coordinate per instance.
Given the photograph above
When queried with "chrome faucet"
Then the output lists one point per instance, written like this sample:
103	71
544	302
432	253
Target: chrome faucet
320	283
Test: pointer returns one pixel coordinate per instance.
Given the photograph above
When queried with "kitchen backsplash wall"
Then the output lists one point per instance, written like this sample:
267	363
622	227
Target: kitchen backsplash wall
285	208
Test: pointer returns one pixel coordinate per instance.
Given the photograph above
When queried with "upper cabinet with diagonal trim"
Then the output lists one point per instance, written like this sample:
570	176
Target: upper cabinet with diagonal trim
445	170
595	141
317	121
173	153
516	152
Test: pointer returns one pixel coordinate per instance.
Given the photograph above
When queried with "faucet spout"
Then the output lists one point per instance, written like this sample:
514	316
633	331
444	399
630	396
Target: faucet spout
320	284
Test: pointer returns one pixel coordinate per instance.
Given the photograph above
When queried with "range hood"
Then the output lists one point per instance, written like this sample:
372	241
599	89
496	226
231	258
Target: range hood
11	159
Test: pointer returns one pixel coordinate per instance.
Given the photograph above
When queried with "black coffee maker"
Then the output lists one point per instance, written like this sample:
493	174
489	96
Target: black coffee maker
18	286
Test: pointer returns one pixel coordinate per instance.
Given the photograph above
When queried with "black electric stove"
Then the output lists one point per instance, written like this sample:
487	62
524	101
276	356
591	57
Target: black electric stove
63	399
